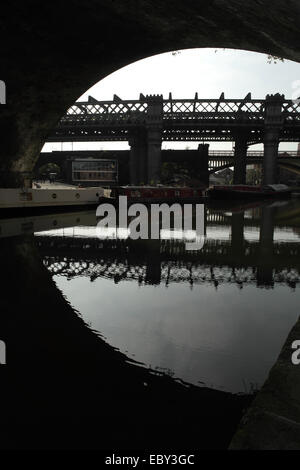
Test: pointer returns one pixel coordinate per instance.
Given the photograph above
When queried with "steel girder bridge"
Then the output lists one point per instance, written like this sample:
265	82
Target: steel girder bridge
146	122
182	120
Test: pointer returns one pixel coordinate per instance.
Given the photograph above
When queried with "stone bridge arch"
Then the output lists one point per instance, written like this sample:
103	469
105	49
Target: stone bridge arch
51	55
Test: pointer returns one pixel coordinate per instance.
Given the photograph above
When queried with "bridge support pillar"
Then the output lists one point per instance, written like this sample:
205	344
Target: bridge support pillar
154	155
154	137
273	125
138	157
202	164
240	159
270	163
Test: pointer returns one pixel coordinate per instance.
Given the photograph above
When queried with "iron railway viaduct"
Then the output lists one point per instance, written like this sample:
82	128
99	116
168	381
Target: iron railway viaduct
146	122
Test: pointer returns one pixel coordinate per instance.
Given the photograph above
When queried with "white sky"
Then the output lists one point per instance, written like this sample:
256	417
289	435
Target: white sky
206	71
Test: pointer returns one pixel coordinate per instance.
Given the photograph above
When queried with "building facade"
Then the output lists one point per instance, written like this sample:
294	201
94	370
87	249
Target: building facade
92	171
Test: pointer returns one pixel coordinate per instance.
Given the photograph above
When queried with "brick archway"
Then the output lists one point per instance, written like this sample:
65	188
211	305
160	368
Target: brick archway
51	54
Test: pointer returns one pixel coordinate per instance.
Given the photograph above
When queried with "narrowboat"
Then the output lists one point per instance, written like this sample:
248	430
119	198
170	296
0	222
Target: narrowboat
158	194
243	191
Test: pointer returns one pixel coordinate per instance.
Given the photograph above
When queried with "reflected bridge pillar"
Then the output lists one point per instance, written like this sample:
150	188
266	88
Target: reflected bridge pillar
237	233
265	270
273	126
153	262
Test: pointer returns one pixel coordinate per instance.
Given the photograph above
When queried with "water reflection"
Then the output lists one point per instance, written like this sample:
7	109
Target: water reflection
216	317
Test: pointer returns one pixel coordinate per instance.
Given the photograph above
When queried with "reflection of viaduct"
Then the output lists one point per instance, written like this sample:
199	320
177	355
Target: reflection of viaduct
155	262
146	122
168	272
52	353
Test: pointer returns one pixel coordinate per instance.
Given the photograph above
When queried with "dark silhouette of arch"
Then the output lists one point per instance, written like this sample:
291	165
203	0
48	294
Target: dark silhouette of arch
66	387
51	56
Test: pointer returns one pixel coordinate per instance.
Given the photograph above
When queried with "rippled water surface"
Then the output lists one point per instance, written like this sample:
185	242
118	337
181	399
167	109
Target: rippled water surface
216	317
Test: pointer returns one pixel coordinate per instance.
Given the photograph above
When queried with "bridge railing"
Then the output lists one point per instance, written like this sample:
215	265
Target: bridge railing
174	109
203	107
291	110
122	114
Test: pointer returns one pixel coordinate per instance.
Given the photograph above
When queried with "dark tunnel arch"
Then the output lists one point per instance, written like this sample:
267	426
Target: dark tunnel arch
42	60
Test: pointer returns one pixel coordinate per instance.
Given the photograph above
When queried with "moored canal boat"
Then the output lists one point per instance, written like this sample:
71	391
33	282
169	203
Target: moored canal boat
158	194
243	191
42	200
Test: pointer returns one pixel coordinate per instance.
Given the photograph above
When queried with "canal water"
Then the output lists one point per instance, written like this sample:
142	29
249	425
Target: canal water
98	325
215	318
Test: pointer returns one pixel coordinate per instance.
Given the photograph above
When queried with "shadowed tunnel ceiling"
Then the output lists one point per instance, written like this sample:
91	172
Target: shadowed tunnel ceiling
52	52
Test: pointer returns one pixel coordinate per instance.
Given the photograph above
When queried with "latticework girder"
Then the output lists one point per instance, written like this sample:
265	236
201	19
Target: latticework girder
181	120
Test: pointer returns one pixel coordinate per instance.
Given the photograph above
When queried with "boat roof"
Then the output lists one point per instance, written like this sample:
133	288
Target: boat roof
156	187
277	187
233	186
